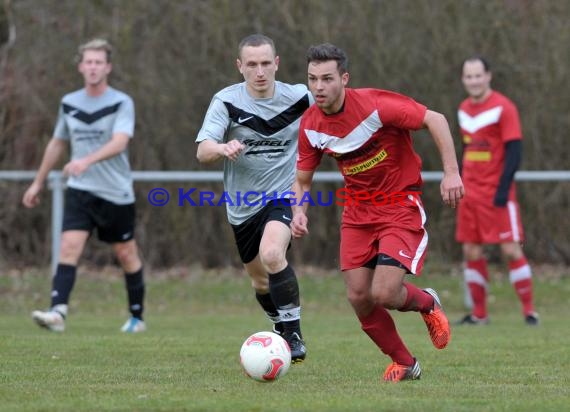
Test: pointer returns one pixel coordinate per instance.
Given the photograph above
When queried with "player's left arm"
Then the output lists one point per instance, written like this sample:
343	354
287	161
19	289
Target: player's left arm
511	134
451	187
513	155
308	159
117	144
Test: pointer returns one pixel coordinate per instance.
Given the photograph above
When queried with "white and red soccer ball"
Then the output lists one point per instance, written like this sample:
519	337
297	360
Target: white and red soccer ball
265	356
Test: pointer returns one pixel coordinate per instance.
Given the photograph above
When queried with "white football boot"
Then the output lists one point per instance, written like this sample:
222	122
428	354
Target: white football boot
51	320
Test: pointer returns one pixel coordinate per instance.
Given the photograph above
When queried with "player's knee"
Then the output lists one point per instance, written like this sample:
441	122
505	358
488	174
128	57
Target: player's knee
272	258
387	298
128	257
512	251
358	298
472	252
69	251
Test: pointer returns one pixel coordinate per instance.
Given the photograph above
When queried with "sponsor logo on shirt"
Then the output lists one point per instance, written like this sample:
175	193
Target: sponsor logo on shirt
478	156
87	134
270	147
365	165
268	142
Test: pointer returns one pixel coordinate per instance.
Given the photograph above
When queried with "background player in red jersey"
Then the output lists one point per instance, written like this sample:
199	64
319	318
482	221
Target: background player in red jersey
489	214
367	131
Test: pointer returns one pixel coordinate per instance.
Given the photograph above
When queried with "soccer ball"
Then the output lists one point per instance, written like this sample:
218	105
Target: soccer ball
265	356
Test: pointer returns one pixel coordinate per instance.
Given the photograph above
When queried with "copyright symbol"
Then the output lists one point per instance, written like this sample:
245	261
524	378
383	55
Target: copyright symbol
158	196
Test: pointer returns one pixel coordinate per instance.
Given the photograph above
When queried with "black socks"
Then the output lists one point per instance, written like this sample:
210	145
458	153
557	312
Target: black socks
62	284
135	290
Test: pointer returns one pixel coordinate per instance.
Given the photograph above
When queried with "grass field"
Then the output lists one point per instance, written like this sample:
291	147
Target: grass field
188	359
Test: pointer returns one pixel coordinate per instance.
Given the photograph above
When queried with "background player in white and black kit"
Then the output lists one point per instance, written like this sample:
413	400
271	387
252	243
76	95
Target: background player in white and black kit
97	122
254	126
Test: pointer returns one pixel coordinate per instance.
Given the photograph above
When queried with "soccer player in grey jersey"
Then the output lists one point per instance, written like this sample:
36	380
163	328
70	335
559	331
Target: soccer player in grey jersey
254	126
97	122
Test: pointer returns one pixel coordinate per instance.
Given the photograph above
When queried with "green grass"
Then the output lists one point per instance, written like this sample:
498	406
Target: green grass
188	360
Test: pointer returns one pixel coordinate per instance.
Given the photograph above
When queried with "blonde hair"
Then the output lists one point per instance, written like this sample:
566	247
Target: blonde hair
95	44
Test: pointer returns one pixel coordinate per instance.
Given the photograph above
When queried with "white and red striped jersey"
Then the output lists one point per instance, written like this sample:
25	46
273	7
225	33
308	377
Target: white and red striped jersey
370	140
485	128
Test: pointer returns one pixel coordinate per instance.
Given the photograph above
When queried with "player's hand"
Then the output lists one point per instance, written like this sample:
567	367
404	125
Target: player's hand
31	196
75	167
452	190
233	149
299	225
501	198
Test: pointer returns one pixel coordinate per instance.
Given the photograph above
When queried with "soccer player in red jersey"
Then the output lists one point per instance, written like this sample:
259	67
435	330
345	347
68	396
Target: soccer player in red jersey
489	214
367	131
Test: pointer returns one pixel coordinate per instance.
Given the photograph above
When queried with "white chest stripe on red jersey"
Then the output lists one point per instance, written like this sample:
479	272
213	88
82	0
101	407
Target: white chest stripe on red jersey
352	141
486	118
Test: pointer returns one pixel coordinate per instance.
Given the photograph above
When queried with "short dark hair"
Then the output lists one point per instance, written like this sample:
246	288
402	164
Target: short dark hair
326	52
477	58
255	40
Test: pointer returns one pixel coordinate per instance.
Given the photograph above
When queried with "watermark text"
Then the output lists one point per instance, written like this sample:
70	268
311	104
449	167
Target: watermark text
341	197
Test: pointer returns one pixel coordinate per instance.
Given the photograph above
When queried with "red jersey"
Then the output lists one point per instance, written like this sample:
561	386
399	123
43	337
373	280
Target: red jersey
370	140
486	127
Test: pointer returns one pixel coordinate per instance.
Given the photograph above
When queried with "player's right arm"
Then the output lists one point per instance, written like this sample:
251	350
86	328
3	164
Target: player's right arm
52	154
301	185
210	151
211	145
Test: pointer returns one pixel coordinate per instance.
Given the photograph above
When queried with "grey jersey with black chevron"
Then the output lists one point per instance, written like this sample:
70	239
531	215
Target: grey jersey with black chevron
269	128
88	123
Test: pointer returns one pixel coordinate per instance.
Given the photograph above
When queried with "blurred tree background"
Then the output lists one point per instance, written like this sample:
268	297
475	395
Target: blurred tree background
173	55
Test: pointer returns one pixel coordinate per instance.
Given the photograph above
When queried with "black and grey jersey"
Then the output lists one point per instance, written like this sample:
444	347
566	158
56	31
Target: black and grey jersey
88	123
269	128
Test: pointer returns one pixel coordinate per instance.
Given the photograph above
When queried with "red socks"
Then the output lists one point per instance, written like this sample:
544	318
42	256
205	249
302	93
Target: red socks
520	276
380	327
417	300
477	278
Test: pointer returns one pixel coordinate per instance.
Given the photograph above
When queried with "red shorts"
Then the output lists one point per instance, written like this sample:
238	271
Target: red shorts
405	243
485	223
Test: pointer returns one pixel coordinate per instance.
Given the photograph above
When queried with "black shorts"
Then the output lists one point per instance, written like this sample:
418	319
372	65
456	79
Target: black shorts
382	259
84	211
249	233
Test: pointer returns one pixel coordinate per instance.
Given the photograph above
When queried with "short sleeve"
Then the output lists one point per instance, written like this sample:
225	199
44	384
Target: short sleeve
61	130
510	123
215	123
125	120
400	111
308	157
